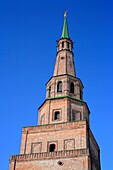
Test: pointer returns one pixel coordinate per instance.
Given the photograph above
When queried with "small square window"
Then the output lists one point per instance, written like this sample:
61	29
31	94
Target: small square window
56	115
52	147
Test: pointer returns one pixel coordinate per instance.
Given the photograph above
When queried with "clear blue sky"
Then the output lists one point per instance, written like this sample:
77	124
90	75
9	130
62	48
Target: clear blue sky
28	33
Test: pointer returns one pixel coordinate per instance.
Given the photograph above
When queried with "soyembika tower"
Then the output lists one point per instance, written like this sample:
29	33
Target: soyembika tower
62	140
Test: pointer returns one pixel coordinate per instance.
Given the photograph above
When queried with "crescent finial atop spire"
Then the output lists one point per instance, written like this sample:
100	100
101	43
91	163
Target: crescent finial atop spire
65	32
65	13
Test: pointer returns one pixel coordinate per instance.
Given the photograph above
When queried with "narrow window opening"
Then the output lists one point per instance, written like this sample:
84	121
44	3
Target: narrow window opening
72	88
81	95
49	91
51	147
67	44
73	116
59	87
57	115
62	44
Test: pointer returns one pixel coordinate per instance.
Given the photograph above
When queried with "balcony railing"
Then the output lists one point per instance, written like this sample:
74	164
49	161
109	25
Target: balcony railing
50	155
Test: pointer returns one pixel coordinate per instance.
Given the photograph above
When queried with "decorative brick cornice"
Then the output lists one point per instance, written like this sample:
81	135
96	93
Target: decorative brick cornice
55	127
50	155
69	97
67	76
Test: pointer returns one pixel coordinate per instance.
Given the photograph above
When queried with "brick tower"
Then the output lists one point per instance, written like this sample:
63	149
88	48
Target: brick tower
63	138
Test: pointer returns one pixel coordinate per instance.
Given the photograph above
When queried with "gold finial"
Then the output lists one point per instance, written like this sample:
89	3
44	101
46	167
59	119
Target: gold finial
65	13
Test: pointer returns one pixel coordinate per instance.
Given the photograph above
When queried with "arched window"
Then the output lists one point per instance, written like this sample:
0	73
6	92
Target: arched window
81	94
56	115
59	86
51	147
49	95
72	88
67	44
62	44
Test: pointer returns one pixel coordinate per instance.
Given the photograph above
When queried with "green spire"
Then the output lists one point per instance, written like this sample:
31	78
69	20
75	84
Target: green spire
65	32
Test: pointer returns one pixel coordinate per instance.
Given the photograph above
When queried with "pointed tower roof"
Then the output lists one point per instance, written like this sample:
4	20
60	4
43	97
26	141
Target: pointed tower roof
65	32
64	58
